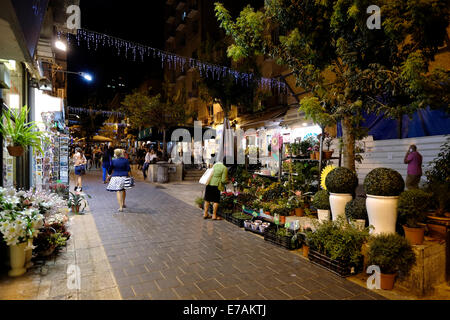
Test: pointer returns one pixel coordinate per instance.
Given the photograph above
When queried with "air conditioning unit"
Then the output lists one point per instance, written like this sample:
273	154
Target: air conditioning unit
5	77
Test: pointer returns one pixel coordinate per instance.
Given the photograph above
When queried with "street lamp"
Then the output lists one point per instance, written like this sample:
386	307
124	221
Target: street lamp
86	76
60	45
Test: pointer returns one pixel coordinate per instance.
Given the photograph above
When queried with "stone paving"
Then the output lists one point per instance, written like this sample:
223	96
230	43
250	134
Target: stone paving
161	248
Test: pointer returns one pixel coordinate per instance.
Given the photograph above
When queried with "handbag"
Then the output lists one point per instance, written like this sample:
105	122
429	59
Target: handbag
206	177
129	182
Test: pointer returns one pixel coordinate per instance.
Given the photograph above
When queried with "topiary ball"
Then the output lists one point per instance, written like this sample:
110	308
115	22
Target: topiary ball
384	182
321	200
356	209
341	180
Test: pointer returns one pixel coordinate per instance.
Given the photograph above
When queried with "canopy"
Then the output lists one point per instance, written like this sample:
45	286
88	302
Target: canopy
101	139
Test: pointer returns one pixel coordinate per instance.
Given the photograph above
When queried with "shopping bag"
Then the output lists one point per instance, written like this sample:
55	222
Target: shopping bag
206	177
129	182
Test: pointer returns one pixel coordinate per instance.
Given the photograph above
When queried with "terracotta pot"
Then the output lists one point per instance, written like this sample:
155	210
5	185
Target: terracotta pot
282	219
317	155
387	281
305	250
75	209
16	151
312	156
414	235
299	212
327	154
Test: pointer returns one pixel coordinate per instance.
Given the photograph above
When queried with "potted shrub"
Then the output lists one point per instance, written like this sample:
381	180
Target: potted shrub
392	253
383	186
356	211
412	213
76	201
19	132
199	202
321	202
341	184
328	141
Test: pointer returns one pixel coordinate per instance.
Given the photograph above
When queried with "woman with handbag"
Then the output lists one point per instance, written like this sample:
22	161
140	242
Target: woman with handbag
80	168
219	178
119	177
106	161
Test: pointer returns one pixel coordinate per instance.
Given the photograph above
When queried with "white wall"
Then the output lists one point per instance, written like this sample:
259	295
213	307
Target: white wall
391	153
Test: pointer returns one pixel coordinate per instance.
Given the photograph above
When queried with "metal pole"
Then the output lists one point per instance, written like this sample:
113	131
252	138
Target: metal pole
320	152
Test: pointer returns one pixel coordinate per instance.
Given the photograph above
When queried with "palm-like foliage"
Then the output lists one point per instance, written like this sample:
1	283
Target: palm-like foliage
21	132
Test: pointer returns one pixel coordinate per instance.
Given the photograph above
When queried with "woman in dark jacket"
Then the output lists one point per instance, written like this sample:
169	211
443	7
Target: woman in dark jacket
119	172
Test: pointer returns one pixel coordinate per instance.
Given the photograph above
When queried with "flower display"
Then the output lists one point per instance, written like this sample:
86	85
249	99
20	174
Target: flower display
277	142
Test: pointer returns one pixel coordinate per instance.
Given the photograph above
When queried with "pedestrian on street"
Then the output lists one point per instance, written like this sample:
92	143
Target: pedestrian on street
213	189
147	162
106	161
80	168
119	174
414	161
88	155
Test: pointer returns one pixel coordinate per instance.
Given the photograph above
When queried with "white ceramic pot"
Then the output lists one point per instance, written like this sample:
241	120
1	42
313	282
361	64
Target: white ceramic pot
17	259
323	215
338	202
29	255
382	212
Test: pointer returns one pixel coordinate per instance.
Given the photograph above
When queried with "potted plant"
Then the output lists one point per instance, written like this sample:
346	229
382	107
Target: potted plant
341	184
19	132
392	253
356	211
383	186
199	202
321	202
412	213
75	201
328	141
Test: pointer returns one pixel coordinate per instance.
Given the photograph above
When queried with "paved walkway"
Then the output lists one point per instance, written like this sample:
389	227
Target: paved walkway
161	248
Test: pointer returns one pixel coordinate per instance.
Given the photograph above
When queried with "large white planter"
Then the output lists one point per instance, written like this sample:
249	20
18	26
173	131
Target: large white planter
338	202
382	212
17	259
323	215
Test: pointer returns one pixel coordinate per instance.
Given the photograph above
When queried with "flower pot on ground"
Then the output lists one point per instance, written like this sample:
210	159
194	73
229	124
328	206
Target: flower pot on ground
29	254
305	250
412	213
76	201
341	184
299	212
383	187
321	202
387	281
391	253
17	259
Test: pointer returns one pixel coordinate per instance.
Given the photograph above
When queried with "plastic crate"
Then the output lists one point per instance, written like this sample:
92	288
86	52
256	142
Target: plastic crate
284	241
337	267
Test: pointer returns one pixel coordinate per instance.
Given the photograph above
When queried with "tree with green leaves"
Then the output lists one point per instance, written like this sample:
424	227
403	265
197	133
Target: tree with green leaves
347	68
137	106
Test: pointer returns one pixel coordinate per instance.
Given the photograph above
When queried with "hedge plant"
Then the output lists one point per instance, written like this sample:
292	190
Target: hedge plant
356	210
412	207
384	182
321	200
392	253
341	180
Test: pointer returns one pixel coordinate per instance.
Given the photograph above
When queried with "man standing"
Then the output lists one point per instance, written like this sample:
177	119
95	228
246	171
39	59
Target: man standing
414	161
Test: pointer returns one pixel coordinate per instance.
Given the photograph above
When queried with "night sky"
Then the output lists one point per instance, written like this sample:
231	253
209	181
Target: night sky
132	20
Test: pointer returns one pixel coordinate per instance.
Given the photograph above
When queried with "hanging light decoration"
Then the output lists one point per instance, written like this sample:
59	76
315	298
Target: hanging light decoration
173	61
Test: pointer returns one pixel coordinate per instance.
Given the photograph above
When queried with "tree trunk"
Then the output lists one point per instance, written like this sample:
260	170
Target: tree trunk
349	144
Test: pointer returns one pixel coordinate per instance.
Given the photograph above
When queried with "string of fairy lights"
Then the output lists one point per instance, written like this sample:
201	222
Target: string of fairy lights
136	50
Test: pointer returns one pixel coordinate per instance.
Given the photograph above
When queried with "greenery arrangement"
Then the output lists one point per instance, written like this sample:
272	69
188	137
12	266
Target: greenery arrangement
76	200
356	210
19	131
321	200
438	179
383	182
338	240
412	207
392	253
341	180
241	216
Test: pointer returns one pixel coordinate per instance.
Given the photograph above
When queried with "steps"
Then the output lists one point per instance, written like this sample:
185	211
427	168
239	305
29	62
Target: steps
193	175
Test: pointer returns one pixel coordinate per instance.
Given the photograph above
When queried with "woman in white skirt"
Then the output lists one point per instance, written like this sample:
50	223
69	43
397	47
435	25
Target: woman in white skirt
119	177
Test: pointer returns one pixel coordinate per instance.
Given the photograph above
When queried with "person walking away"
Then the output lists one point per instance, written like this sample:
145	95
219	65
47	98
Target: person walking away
80	168
414	161
119	171
213	189
106	161
88	155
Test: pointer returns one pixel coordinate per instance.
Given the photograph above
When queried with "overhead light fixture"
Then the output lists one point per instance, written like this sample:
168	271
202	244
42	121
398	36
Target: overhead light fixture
60	45
305	124
86	76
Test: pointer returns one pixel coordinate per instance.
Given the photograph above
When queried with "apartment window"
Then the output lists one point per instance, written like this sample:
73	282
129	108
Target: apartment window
184	16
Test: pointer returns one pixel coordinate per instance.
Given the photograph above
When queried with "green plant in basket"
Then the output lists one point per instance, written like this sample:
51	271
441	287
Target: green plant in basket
19	131
412	207
321	200
383	182
341	180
